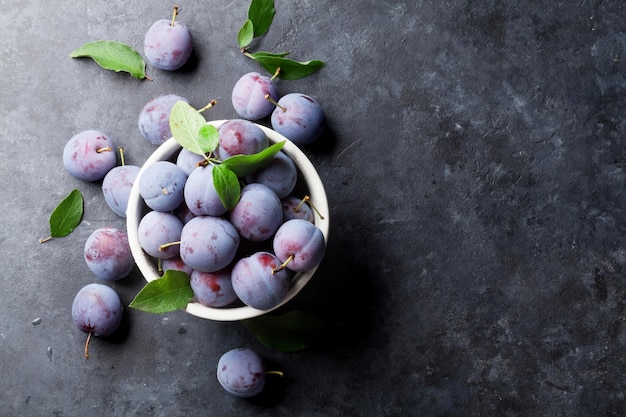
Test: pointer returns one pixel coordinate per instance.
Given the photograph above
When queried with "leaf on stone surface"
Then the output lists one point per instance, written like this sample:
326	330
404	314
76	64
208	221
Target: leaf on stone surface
114	56
243	165
66	216
261	14
289	68
188	129
227	186
290	332
170	292
246	34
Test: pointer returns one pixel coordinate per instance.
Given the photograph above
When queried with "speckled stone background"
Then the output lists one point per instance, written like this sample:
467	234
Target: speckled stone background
475	166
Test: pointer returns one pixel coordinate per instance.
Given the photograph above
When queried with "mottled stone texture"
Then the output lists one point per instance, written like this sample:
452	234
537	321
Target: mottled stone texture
475	165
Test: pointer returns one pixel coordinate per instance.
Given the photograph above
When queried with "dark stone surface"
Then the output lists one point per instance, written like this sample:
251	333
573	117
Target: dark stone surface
475	165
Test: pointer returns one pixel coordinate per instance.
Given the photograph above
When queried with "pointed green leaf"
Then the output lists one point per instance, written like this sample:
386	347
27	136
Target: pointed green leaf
208	137
67	215
261	14
290	332
113	55
227	186
186	123
289	68
264	54
170	292
246	34
243	165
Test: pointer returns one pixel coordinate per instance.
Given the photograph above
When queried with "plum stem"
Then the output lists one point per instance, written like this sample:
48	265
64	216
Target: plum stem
274	102
167	245
307	200
87	345
174	14
208	106
279	373
276	73
105	149
283	265
121	149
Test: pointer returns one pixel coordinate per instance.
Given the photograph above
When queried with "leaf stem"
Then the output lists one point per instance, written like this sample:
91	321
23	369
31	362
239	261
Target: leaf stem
44	240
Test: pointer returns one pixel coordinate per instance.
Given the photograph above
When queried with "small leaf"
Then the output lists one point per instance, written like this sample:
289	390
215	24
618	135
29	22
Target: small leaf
113	55
186	124
170	292
208	137
261	14
66	216
290	332
227	186
246	34
243	165
289	68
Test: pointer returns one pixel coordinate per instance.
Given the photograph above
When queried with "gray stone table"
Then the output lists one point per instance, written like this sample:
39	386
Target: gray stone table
474	161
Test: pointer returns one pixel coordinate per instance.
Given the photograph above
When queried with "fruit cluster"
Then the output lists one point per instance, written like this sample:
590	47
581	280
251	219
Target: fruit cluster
244	254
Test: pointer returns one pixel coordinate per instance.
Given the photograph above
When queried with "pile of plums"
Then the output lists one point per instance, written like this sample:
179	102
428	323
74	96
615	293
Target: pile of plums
247	253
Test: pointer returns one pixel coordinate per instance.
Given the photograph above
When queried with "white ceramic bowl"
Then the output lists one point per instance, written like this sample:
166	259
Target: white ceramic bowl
309	179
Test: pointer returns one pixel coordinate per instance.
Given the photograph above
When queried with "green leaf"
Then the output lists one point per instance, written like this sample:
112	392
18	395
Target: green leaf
243	165
246	34
113	55
289	68
263	54
290	332
208	137
227	186
66	216
170	292
261	14
189	129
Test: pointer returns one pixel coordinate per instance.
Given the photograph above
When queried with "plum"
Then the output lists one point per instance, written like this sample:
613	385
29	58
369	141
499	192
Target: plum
168	44
89	155
108	254
299	118
241	372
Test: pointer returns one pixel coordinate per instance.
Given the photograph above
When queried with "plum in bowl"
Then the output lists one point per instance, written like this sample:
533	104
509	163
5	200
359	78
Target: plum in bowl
308	184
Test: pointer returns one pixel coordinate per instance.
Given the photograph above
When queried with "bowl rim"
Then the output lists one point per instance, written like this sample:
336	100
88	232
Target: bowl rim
147	266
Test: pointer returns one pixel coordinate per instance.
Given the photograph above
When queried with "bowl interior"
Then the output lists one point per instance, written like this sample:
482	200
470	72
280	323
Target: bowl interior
147	265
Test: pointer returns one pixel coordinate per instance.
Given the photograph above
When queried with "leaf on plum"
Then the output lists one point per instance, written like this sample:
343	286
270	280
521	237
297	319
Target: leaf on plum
208	137
289	69
114	56
243	165
170	292
66	216
290	332
189	129
227	186
246	34
261	15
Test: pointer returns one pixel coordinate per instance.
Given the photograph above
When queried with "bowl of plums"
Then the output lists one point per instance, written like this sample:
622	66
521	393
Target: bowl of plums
235	206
